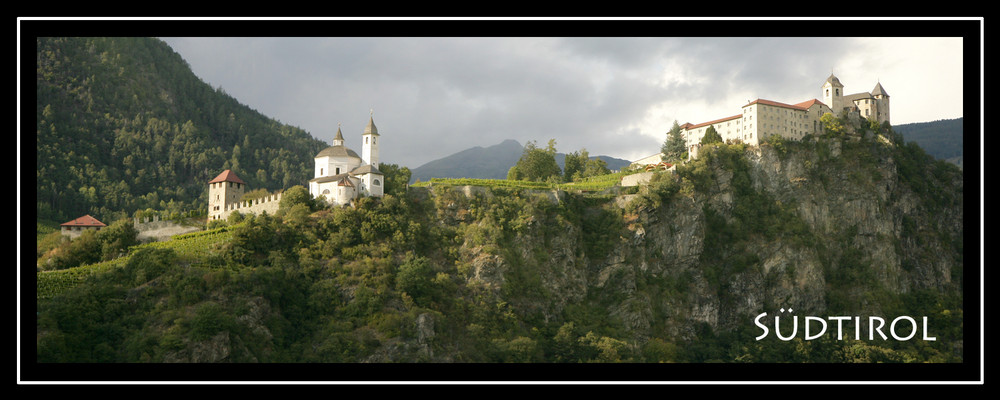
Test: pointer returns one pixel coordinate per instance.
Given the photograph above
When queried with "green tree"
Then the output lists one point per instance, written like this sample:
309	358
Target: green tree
537	164
574	164
117	238
296	195
396	179
595	167
832	125
513	174
234	218
711	136
414	278
673	147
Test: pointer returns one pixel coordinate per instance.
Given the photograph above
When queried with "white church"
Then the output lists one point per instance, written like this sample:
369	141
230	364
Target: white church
341	175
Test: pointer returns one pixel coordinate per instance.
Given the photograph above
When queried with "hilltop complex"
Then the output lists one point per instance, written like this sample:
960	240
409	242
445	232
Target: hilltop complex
761	118
340	177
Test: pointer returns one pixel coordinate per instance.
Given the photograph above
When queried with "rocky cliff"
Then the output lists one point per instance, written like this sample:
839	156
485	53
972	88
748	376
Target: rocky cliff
838	226
826	227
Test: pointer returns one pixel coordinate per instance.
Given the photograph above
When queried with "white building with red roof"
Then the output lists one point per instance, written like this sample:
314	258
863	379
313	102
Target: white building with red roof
76	227
761	118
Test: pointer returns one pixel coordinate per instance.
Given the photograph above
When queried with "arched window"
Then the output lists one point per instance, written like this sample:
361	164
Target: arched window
376	183
326	191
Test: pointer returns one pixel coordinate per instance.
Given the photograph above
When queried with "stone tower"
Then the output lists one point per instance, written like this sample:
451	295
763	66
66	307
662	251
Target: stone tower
833	94
881	102
369	144
225	189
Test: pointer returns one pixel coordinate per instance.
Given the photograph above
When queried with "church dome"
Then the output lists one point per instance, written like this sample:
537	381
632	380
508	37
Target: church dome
338	151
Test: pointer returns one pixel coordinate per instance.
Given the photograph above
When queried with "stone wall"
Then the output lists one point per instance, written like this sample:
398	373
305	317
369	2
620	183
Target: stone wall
641	178
267	204
160	230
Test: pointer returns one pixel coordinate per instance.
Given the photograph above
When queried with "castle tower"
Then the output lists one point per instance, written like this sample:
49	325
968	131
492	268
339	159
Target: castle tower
369	144
881	102
833	94
225	189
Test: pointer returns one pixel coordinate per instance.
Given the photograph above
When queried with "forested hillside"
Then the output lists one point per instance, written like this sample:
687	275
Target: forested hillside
943	139
124	125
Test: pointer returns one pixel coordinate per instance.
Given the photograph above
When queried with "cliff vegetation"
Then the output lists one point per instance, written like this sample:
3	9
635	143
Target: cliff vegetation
845	224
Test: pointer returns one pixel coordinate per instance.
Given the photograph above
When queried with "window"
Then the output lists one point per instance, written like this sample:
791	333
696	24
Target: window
376	183
321	172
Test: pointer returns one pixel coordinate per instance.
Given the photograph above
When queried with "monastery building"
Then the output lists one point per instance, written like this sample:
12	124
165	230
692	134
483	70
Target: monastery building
759	119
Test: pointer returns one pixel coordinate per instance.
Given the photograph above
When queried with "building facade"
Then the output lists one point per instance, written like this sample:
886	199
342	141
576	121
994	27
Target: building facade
78	226
341	175
759	119
225	195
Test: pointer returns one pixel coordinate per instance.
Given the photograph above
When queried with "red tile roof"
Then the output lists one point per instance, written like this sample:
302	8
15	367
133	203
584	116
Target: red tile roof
800	106
85	220
689	126
227	176
809	103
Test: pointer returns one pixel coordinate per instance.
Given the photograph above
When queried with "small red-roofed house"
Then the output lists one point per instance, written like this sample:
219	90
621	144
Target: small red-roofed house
76	227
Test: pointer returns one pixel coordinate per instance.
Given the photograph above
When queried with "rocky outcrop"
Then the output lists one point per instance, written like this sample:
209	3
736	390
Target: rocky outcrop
855	211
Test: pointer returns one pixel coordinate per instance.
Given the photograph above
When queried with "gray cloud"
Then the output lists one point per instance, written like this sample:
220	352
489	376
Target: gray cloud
436	96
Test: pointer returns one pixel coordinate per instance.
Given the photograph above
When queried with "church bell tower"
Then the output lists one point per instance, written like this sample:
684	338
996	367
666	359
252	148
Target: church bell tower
369	144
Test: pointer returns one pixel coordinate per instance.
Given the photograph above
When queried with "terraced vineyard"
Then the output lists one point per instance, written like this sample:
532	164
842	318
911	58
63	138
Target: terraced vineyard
190	247
591	184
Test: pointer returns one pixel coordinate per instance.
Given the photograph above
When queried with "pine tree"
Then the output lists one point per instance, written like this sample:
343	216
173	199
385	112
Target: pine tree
711	136
673	147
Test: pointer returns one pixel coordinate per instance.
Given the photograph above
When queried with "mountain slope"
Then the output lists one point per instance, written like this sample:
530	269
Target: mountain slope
942	139
491	162
123	124
478	162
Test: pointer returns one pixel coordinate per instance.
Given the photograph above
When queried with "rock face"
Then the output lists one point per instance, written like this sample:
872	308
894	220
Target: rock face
827	228
842	210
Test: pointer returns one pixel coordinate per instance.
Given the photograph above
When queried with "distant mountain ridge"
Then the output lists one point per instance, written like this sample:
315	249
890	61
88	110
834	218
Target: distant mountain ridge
942	139
491	162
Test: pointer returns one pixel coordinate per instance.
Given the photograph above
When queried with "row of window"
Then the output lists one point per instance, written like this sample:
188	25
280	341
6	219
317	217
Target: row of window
220	184
78	228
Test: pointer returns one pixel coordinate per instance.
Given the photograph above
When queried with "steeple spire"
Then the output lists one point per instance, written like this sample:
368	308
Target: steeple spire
339	139
370	129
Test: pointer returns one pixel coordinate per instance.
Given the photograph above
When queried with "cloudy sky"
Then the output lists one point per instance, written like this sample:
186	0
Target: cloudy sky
616	96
